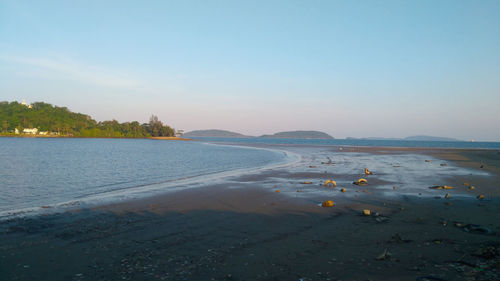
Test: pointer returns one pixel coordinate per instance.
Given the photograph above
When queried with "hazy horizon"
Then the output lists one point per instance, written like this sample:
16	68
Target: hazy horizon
347	68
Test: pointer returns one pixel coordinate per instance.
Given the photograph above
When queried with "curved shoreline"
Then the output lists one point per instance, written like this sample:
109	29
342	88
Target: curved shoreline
150	190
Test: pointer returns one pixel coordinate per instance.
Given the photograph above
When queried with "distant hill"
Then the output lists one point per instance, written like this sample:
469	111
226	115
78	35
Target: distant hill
300	135
213	134
373	138
428	138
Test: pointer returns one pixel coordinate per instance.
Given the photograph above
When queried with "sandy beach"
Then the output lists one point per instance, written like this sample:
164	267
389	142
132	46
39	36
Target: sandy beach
244	229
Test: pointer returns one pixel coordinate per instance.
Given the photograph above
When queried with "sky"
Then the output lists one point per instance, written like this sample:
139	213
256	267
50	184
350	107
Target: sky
348	68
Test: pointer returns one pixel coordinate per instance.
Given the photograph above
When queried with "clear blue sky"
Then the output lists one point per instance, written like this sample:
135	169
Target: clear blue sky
349	68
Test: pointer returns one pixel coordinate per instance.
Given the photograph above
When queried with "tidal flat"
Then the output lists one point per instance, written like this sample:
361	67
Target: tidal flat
242	228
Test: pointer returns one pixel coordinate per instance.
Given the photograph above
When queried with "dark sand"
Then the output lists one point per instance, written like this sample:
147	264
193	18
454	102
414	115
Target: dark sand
253	233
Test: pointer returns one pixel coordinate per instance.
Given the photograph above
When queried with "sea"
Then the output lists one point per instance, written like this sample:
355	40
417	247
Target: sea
360	142
36	172
49	172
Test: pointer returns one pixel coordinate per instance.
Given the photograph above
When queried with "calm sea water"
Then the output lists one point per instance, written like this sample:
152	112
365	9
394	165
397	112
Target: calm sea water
356	142
37	171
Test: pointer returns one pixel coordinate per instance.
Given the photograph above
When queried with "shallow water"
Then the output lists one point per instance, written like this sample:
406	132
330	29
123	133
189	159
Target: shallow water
361	142
39	171
409	172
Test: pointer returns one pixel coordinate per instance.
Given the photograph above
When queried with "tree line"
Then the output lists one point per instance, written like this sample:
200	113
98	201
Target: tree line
46	117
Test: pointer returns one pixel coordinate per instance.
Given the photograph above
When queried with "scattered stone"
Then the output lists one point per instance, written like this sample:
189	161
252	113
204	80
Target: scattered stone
312	166
480	197
394	187
366	212
447	196
441	187
443	164
343	190
327	204
428	161
361	182
332	182
306	182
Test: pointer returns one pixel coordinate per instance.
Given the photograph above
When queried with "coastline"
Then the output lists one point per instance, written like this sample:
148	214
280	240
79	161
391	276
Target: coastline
243	229
149	191
170	138
75	137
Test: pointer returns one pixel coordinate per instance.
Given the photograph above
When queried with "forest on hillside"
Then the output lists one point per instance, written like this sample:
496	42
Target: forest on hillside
60	120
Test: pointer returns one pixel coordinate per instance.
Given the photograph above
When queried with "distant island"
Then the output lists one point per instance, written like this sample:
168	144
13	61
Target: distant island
41	119
213	134
229	134
410	138
299	135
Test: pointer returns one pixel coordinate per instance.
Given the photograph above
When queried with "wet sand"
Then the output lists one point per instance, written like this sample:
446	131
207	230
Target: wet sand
244	230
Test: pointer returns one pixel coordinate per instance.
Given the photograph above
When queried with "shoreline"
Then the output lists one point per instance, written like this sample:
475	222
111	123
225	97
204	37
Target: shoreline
74	137
242	229
145	192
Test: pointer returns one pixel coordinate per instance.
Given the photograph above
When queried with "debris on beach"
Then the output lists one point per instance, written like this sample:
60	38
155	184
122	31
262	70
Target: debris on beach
394	187
466	184
486	252
441	187
396	238
332	182
278	191
385	254
480	197
327	204
472	187
367	172
366	212
342	190
381	219
312	166
361	182
298	190
443	164
306	182
476	229
428	161
447	196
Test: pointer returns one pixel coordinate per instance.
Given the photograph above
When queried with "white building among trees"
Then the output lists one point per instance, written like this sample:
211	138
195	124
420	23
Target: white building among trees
32	131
